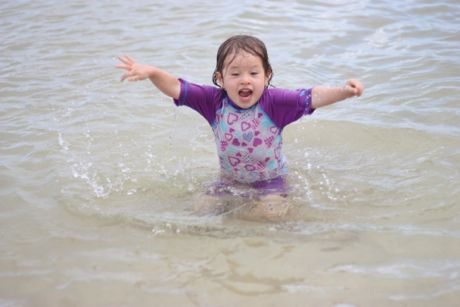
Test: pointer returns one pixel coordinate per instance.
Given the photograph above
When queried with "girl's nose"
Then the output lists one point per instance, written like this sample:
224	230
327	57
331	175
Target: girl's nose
245	79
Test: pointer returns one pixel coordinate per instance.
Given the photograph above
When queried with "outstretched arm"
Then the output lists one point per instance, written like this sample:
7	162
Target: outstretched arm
164	81
323	96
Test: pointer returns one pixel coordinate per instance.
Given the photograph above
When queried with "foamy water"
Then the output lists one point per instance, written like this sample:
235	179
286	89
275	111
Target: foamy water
98	178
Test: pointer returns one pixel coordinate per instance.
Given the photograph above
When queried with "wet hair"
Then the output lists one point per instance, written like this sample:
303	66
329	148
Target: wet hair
238	43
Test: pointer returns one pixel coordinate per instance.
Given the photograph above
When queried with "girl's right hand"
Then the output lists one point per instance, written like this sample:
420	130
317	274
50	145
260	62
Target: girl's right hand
164	81
133	70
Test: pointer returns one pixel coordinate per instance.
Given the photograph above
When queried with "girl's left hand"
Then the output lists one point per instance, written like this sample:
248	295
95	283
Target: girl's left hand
353	88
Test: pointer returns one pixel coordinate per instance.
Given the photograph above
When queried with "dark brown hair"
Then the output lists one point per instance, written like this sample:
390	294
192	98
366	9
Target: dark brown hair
234	45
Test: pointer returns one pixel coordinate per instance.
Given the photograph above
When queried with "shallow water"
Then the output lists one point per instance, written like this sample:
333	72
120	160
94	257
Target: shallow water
98	177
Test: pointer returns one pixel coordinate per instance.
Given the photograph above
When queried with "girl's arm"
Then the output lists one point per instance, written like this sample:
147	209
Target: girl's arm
323	96
164	81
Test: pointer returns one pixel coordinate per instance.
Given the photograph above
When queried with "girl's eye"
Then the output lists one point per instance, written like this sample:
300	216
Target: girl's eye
254	73
235	74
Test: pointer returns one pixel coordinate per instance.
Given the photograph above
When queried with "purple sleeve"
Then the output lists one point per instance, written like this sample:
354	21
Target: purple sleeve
286	106
202	98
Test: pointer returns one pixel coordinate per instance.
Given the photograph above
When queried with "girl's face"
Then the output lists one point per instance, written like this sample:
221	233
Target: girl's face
244	79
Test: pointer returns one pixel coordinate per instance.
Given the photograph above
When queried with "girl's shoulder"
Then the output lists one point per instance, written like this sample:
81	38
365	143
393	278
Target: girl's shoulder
285	106
275	94
205	99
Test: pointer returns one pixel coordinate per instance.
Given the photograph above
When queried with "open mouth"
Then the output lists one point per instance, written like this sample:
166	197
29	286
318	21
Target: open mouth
245	93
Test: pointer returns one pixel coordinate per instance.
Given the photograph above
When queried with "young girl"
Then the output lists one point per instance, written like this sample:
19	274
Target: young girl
246	116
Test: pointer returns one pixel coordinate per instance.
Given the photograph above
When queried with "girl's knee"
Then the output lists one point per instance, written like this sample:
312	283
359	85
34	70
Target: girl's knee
272	208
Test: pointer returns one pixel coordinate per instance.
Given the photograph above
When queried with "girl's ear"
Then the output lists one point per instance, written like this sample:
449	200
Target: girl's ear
219	79
267	78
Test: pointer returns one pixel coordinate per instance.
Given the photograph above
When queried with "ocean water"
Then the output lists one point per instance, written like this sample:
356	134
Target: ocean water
98	178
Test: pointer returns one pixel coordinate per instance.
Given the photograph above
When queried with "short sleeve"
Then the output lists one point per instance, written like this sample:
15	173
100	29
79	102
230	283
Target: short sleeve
202	98
286	106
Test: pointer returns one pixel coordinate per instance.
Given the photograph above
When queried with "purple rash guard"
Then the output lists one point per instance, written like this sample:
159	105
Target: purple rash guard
249	141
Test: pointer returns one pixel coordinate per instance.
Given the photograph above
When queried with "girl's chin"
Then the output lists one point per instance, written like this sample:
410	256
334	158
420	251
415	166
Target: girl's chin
244	102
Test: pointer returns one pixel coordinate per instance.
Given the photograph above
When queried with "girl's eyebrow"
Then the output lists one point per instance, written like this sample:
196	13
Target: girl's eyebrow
237	67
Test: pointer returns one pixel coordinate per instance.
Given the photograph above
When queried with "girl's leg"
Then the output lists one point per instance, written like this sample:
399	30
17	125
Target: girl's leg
205	204
272	207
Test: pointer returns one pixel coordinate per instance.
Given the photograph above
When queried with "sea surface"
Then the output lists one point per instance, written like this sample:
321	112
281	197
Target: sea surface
99	178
